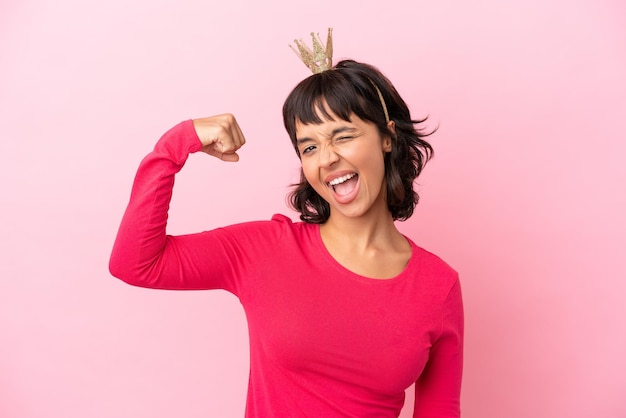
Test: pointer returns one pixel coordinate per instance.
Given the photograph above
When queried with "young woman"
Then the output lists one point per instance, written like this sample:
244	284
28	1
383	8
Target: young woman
344	312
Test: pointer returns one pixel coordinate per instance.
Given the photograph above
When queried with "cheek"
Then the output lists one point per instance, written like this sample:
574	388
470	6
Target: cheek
310	174
373	164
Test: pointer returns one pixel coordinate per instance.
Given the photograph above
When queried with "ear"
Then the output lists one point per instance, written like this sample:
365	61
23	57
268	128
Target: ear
391	125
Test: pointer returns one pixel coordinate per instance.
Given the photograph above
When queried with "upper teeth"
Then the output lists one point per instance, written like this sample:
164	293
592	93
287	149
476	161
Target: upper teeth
341	179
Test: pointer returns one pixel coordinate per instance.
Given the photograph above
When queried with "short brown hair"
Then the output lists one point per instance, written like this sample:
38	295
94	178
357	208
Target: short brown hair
350	88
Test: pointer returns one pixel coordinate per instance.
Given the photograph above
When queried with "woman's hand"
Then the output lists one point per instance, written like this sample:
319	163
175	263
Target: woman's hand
220	135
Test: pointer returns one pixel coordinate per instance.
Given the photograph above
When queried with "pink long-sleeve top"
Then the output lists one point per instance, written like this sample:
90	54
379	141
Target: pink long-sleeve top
324	341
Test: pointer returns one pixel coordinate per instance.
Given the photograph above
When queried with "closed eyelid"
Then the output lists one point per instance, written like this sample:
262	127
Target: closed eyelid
343	130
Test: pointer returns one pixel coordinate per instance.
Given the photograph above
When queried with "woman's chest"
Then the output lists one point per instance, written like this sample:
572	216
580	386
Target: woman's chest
369	334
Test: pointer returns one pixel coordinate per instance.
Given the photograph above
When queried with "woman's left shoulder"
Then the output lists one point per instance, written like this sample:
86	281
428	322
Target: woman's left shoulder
433	267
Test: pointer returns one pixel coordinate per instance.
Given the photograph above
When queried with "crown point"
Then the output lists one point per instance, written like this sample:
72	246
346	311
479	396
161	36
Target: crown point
319	59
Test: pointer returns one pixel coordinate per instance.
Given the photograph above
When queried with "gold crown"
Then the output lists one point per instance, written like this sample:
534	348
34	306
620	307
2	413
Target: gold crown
320	58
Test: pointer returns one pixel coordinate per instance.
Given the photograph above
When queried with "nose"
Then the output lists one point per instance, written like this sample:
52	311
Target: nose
328	156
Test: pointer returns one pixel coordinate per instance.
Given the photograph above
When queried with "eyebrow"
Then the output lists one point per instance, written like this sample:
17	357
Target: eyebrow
335	131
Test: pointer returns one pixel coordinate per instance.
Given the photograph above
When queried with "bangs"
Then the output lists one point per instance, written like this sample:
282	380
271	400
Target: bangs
325	96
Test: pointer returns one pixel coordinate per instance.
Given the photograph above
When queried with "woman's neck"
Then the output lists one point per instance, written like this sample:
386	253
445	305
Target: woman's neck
374	230
370	246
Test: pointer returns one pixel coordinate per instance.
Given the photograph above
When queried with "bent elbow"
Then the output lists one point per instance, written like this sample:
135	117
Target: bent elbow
119	269
132	274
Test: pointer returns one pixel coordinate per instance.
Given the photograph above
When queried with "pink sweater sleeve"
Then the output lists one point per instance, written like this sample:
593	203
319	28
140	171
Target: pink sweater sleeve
437	391
143	255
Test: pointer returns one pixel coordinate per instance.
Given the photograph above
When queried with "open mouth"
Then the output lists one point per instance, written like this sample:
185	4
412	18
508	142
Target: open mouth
344	184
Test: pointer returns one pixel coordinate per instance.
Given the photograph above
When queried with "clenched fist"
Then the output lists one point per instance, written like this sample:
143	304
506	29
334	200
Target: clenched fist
220	135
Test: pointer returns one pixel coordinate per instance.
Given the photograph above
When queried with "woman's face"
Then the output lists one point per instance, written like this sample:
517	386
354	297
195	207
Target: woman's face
344	163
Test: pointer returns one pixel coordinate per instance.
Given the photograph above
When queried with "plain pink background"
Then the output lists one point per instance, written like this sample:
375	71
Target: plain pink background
525	197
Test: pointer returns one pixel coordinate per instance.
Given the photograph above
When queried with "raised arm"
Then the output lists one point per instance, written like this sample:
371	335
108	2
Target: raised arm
437	392
143	255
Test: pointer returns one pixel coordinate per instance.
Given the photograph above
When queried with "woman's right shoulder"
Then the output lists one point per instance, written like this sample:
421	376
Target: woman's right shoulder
270	231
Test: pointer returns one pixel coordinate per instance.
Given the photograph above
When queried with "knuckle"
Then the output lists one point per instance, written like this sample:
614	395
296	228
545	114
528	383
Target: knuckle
229	118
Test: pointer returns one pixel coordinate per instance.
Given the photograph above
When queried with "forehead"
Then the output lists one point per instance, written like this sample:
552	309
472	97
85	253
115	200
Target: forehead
328	126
